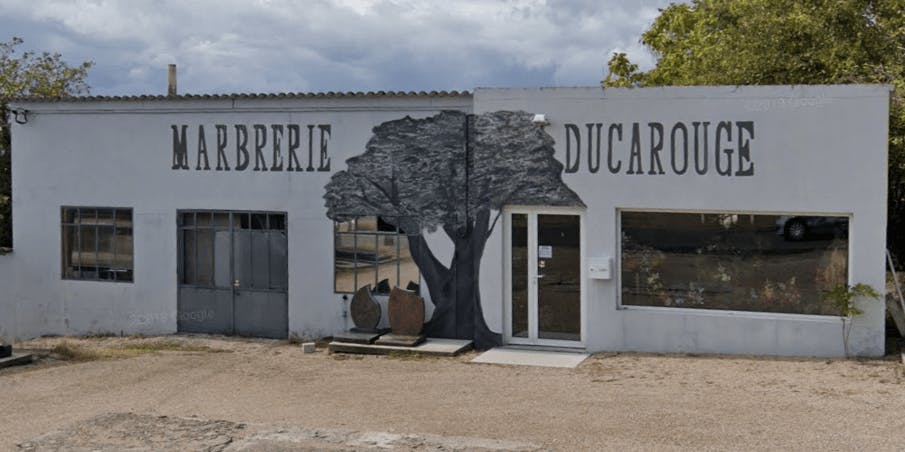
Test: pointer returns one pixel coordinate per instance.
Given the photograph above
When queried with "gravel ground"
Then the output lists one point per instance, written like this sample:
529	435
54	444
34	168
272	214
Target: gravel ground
190	393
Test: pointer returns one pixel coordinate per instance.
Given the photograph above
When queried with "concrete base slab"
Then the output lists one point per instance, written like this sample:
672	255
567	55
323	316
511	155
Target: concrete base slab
17	359
430	346
524	357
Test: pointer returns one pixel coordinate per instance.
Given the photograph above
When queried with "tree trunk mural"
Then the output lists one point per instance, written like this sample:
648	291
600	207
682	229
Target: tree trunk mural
454	172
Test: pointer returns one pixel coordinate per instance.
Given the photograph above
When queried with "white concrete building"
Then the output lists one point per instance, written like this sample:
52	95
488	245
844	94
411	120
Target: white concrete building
705	219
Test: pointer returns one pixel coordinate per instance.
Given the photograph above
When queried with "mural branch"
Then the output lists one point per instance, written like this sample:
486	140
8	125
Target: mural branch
452	172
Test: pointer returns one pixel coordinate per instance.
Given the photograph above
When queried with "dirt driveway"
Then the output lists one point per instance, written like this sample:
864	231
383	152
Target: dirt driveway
184	393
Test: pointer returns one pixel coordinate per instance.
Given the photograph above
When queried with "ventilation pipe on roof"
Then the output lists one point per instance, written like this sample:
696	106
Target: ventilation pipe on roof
171	80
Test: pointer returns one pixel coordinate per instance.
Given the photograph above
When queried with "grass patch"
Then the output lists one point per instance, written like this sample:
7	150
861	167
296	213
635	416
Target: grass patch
68	351
319	342
147	347
406	356
101	335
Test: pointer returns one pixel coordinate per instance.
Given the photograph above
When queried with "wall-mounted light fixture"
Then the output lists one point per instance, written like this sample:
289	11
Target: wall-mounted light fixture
540	119
20	115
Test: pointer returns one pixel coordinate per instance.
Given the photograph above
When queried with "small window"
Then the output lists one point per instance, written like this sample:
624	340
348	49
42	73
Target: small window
372	250
97	243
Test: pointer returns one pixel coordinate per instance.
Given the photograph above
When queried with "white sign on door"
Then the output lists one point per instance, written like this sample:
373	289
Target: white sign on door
544	252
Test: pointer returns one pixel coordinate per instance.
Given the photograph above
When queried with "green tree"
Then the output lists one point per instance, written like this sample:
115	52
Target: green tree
765	42
29	74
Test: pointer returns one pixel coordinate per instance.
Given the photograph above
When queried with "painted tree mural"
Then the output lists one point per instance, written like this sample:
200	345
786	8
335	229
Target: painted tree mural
451	172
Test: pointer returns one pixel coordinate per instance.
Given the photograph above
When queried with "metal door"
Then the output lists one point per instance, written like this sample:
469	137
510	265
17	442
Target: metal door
233	273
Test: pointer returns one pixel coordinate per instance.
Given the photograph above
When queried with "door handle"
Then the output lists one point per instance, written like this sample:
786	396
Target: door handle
539	276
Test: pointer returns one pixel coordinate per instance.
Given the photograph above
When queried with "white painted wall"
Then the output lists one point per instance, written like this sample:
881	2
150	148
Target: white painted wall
119	154
817	149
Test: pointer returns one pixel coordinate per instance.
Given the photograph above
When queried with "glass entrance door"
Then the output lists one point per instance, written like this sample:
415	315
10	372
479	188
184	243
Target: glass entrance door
544	278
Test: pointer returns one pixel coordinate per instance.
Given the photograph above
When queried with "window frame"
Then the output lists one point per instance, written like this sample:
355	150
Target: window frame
617	277
233	226
66	256
376	234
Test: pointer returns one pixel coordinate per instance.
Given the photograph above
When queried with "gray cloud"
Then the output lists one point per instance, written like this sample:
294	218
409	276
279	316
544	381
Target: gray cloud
344	45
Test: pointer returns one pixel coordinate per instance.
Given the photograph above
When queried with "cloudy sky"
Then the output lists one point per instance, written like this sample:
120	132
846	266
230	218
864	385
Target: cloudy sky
333	45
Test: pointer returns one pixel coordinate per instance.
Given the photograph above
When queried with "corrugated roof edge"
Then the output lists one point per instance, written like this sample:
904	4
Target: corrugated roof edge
231	96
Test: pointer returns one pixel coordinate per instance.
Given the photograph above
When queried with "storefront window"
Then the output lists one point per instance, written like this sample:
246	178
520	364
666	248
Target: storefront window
372	250
733	261
97	243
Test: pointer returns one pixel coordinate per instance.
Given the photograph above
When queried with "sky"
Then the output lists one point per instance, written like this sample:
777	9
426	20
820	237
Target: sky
230	46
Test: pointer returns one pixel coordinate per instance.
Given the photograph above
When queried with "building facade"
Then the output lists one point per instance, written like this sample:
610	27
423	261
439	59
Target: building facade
698	219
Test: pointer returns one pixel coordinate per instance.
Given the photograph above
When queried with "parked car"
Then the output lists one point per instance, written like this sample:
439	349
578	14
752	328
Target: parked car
796	228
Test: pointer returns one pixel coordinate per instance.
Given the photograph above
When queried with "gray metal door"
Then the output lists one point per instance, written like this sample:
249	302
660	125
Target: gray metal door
233	273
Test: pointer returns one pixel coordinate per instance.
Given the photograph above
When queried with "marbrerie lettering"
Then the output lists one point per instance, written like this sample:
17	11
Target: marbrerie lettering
652	148
270	147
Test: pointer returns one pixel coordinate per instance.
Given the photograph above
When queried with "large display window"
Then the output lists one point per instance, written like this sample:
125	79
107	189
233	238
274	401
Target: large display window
733	261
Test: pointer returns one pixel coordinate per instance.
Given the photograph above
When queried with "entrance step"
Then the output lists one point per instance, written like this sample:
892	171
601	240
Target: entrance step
430	346
524	357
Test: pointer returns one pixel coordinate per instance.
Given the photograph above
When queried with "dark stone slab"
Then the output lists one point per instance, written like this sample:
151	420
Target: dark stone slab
383	286
356	337
370	330
364	309
430	347
6	350
400	340
406	312
17	359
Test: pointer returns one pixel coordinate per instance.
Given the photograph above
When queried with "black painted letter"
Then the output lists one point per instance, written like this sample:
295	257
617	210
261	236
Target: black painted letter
260	142
180	152
656	145
310	148
222	163
241	147
202	150
277	139
325	137
593	154
727	126
744	151
702	170
294	137
572	129
609	151
635	156
672	148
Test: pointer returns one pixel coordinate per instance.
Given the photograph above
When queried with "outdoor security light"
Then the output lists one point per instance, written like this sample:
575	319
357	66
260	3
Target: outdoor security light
21	115
540	119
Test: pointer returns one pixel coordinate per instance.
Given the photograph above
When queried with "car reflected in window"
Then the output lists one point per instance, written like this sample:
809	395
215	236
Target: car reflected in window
798	228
